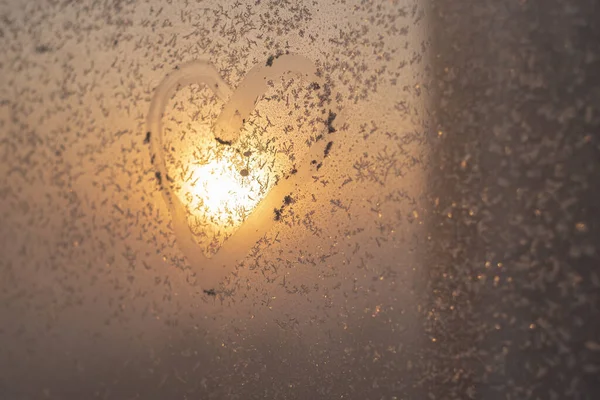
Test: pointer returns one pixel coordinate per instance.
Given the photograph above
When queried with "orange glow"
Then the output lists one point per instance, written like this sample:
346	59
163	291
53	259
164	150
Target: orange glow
222	193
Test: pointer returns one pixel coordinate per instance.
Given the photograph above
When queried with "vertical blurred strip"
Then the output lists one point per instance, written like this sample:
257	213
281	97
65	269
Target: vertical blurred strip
514	280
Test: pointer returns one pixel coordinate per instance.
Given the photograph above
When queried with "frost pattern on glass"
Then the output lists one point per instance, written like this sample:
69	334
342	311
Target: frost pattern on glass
94	273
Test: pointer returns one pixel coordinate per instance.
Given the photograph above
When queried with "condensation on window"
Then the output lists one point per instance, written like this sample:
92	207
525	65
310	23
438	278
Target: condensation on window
94	276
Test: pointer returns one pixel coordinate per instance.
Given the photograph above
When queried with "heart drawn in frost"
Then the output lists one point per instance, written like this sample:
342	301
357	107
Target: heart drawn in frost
238	106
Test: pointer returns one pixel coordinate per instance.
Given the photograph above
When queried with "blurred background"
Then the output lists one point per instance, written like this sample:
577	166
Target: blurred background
446	247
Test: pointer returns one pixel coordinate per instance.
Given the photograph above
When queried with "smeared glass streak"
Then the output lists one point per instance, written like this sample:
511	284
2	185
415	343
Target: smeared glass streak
230	121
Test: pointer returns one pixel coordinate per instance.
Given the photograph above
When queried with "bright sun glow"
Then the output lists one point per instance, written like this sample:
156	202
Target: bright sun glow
223	194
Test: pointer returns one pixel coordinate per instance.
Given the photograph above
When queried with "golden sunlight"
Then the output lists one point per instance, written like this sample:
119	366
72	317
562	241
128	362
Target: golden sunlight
222	193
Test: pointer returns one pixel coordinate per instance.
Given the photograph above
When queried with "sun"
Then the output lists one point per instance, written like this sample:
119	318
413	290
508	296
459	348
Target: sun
223	192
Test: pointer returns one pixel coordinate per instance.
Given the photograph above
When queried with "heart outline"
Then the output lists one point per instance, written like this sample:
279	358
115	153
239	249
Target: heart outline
238	105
